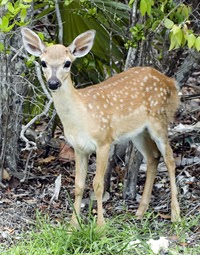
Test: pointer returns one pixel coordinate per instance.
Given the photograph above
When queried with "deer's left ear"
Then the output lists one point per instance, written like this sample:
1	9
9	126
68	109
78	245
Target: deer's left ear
82	44
32	42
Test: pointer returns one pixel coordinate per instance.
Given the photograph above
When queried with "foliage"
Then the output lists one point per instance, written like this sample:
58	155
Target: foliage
162	16
15	15
106	17
117	237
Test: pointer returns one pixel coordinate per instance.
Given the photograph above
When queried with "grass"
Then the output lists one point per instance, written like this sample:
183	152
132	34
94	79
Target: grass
115	238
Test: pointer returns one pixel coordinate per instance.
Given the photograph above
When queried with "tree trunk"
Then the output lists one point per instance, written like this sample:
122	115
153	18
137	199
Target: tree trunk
133	160
11	100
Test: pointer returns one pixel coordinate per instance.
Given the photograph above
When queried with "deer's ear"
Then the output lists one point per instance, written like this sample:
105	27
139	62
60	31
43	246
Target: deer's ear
82	44
32	42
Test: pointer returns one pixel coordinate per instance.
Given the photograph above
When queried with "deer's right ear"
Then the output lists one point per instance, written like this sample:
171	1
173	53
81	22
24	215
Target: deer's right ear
32	42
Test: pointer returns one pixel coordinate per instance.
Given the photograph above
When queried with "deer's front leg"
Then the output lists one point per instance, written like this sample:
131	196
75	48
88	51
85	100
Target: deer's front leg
81	160
98	183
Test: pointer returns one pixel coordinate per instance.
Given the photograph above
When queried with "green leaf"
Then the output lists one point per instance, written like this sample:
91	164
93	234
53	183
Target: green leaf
155	24
179	36
197	43
23	14
4	23
25	6
1	46
11	8
149	4
173	42
175	29
3	2
191	40
131	2
168	23
143	7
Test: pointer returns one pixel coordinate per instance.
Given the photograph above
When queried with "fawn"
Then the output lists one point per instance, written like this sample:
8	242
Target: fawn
136	104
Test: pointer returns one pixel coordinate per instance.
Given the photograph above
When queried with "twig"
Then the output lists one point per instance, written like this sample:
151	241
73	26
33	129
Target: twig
37	68
59	19
132	51
26	167
193	209
39	76
29	144
192	86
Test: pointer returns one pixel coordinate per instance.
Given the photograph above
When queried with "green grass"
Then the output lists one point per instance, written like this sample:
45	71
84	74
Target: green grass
114	238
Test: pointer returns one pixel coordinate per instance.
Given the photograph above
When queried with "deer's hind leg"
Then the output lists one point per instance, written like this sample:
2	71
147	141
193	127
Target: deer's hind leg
159	134
149	150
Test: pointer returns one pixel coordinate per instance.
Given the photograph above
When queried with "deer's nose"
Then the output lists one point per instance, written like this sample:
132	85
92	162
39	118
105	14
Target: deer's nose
54	83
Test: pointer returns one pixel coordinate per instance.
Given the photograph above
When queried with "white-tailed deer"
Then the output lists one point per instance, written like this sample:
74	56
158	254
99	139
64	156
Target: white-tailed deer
137	105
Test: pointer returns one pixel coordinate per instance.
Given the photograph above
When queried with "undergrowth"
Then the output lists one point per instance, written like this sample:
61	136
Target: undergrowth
116	237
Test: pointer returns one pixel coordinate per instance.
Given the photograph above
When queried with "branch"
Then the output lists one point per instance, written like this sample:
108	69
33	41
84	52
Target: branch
29	144
131	51
59	19
41	81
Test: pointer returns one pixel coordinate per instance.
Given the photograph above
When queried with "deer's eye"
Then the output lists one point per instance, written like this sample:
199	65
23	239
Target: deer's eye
43	64
67	64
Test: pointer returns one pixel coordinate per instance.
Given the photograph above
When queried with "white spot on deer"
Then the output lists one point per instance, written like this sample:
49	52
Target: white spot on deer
145	78
104	120
151	103
90	106
165	91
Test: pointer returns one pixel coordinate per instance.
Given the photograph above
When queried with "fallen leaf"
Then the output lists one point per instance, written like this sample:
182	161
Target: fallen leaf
6	175
66	152
13	182
164	216
57	188
183	244
173	238
47	160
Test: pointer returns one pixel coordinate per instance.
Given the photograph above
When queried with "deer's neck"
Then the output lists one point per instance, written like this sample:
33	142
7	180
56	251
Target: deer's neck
65	98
